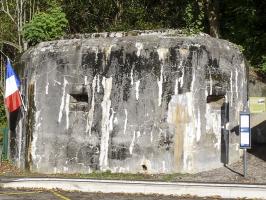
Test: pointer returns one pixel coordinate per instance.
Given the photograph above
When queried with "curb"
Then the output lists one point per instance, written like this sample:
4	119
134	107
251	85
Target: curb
144	187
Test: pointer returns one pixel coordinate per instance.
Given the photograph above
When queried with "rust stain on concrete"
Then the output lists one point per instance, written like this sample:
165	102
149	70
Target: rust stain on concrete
181	118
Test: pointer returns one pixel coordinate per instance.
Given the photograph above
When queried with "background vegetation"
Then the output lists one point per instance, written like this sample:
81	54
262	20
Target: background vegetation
26	22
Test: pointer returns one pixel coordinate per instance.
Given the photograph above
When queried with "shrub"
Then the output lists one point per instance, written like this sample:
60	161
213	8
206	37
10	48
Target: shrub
45	26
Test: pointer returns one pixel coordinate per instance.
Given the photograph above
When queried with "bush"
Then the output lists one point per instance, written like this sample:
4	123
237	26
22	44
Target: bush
263	64
45	26
3	119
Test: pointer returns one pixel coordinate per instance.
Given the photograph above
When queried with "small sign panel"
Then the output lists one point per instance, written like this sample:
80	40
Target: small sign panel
257	104
245	134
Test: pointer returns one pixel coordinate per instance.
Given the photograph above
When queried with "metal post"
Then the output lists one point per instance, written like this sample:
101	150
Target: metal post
245	162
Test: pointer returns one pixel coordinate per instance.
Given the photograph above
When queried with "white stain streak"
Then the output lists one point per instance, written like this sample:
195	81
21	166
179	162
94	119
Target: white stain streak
96	53
210	83
188	146
111	125
98	83
231	84
47	88
131	76
139	46
176	86
36	158
226	98
108	52
236	83
181	78
193	80
116	121
163	162
198	133
67	110
125	123
57	82
106	105
62	101
242	65
85	80
160	86
162	52
19	143
151	136
138	134
65	169
91	111
137	89
132	143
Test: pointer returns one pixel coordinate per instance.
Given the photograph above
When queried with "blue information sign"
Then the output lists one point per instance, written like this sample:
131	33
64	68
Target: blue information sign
244	129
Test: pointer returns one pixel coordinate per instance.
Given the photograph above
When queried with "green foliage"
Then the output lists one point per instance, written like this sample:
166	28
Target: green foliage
263	64
46	26
194	17
3	120
240	21
106	15
135	17
243	22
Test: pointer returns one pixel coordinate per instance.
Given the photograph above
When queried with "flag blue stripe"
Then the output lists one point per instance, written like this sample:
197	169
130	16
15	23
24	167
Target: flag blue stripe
10	72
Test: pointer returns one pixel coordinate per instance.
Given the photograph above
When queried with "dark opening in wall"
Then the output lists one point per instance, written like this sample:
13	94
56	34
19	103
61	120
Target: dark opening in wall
214	98
79	102
144	167
79	97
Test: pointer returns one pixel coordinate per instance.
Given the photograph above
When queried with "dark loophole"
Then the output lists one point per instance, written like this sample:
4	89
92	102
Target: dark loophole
80	98
144	167
214	98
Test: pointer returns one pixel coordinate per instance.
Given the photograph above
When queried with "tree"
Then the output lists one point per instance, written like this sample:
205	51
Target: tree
195	16
243	22
212	8
15	14
45	26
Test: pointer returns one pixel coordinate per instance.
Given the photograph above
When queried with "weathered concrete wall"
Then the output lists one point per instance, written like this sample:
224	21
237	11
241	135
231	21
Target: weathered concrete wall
155	102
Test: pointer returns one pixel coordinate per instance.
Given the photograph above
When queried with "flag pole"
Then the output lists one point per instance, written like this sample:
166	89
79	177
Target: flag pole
24	107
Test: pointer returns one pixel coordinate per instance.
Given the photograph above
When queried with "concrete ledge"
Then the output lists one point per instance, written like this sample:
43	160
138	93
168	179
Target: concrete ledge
164	188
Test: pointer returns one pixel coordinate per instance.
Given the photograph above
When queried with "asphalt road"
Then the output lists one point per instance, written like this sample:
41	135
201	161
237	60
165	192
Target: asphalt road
11	194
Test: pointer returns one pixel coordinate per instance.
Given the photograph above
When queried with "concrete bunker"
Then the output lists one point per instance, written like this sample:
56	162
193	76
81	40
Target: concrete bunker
155	102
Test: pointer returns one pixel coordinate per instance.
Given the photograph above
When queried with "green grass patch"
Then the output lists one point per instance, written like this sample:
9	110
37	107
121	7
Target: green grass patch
9	170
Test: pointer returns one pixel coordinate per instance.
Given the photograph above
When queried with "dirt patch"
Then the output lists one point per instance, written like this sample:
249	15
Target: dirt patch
8	169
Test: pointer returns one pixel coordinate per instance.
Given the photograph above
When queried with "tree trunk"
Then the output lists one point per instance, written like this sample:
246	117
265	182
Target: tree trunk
213	17
119	6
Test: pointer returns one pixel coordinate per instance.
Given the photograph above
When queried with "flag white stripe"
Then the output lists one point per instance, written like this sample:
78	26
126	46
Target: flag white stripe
11	86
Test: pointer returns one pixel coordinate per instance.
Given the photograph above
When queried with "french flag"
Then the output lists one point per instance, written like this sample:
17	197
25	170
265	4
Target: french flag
12	95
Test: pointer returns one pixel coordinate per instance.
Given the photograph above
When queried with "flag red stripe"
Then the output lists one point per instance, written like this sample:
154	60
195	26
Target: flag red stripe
13	101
